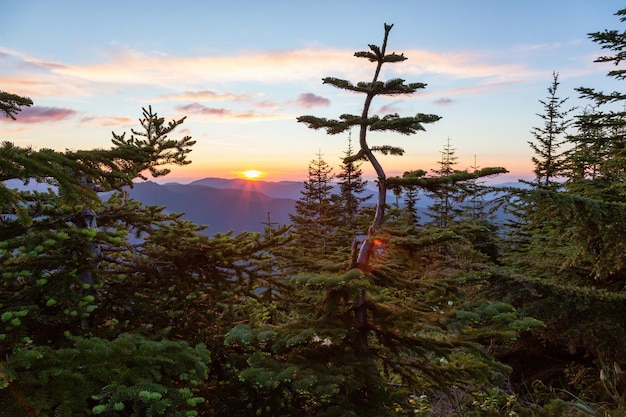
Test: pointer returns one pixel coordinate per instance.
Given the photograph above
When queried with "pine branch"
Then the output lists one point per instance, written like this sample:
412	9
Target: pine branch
10	104
403	125
388	150
431	183
332	126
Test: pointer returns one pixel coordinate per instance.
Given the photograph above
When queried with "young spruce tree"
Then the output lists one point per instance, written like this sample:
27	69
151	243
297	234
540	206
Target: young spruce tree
315	220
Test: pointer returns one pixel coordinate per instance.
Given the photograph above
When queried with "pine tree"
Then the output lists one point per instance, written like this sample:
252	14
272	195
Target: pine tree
315	220
367	323
549	138
390	122
447	197
349	201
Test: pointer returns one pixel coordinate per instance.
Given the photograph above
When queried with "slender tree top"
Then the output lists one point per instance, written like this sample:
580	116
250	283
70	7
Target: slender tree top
375	87
365	122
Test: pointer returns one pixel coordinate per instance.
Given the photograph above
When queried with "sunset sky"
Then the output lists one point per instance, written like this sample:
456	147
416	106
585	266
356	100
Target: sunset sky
242	71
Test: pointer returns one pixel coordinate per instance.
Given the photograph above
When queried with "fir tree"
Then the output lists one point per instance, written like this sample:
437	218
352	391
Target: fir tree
549	138
366	322
571	272
447	197
349	201
390	122
315	221
411	197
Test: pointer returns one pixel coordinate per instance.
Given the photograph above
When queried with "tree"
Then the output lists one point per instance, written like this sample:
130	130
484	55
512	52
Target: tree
55	262
349	201
390	122
571	271
447	197
549	138
410	204
535	228
595	175
371	316
315	221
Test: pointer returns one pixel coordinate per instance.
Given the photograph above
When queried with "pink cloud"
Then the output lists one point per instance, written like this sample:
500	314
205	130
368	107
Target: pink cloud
219	112
106	121
123	68
388	108
444	101
204	95
310	100
197	108
39	114
266	104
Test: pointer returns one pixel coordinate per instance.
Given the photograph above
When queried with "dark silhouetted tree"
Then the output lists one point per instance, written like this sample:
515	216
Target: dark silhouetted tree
549	138
315	220
11	104
349	201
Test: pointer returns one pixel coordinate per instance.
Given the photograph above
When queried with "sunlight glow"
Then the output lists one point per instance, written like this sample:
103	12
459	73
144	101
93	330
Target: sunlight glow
251	174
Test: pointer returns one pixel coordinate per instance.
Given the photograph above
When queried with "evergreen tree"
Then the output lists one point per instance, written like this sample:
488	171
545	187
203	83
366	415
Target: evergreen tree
548	159
535	232
595	176
411	197
367	323
447	197
350	199
315	220
475	209
57	268
571	272
390	122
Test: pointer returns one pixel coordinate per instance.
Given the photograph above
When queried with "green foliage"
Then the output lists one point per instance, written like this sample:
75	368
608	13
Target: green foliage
129	375
10	104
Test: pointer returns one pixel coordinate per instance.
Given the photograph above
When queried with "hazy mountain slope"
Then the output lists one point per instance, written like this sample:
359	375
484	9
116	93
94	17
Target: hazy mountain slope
242	205
221	209
279	189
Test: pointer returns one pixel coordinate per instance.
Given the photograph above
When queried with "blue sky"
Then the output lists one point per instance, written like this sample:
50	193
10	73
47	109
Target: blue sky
242	71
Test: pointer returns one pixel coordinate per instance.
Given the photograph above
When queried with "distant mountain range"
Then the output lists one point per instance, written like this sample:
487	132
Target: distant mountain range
229	204
237	204
224	205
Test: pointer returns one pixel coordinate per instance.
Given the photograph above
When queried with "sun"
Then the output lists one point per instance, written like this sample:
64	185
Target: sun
251	174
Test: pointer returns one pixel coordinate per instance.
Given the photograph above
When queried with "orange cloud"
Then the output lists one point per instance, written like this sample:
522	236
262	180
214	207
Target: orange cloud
221	113
124	68
106	121
204	95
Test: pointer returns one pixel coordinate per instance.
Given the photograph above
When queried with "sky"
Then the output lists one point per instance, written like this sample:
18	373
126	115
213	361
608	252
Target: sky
241	72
